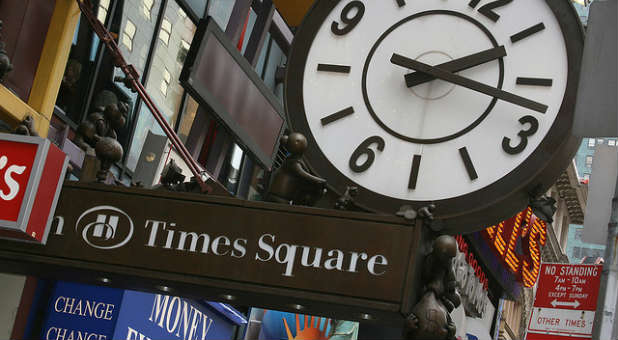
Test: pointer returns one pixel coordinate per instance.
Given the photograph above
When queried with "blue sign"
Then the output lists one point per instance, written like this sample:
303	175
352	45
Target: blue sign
78	311
146	316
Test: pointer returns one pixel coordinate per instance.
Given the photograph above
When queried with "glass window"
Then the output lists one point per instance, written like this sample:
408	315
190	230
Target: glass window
166	31
102	11
589	161
183	51
591	142
270	60
578	234
611	142
233	176
188	116
132	15
162	83
221	10
128	34
79	74
255	186
165	83
147	8
600	141
198	6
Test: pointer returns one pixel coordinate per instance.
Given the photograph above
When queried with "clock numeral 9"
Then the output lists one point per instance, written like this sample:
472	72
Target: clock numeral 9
350	22
364	149
523	135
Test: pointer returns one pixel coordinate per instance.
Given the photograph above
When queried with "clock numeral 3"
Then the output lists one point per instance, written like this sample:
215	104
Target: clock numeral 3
364	149
350	22
523	135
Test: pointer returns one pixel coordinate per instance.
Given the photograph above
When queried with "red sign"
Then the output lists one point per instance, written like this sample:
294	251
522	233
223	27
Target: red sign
565	302
31	174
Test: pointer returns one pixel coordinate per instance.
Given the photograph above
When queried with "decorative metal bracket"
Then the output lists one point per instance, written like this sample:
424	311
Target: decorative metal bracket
5	62
424	213
172	179
544	208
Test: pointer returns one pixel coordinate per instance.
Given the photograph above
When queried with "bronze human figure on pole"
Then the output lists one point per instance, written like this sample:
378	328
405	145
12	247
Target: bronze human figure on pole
430	318
293	183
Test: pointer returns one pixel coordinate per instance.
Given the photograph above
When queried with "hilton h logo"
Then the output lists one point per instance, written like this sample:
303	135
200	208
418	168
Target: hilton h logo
105	227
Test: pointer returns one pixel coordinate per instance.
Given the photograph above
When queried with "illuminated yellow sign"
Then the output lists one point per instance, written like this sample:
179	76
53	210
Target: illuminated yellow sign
504	238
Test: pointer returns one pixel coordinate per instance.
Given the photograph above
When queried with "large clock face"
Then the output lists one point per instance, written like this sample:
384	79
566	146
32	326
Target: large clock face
435	101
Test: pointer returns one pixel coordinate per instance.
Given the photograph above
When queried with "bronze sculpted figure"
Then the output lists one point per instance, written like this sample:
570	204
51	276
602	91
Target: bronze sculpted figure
26	127
430	318
98	131
346	201
293	183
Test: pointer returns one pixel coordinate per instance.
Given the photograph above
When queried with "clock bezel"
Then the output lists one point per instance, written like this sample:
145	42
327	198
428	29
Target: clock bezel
475	210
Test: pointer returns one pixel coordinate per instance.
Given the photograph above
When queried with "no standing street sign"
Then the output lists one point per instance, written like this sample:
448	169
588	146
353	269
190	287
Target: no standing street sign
565	302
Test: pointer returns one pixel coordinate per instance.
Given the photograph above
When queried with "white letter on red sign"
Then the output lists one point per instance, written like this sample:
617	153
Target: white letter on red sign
10	182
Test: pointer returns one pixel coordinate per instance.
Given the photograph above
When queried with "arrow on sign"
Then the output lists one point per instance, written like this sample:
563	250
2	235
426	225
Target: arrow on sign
573	304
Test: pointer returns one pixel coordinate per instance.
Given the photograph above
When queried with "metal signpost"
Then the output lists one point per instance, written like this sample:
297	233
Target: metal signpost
565	302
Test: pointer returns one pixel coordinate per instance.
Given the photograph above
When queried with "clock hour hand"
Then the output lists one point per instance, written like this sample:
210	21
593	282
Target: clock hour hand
468	83
456	65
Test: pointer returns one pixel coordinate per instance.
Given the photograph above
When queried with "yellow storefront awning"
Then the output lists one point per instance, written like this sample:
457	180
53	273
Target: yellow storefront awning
293	11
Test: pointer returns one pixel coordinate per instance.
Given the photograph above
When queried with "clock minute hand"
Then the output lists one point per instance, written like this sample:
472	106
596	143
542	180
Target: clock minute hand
457	65
467	82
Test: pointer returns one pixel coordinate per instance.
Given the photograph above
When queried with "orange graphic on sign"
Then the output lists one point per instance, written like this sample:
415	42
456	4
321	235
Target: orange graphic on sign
311	331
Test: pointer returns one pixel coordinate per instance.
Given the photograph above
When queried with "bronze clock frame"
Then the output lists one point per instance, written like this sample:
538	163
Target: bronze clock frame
475	210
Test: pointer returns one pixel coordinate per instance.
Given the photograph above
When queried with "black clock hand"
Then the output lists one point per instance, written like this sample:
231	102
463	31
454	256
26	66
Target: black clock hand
457	65
467	82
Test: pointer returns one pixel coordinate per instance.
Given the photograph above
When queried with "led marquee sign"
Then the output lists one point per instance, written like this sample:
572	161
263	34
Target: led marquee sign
517	242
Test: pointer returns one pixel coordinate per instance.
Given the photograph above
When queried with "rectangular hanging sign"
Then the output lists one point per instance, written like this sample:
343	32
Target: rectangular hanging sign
225	249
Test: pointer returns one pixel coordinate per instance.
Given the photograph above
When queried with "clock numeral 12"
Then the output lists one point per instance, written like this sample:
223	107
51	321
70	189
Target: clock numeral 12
350	22
488	10
364	149
523	135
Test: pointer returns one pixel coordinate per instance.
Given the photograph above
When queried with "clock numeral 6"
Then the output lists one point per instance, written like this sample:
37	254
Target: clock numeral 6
364	149
350	22
523	135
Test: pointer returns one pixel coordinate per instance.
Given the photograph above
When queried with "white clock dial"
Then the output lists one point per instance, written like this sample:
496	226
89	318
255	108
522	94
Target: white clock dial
437	139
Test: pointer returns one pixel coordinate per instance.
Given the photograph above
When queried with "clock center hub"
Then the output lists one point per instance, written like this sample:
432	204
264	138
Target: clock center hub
435	89
430	110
